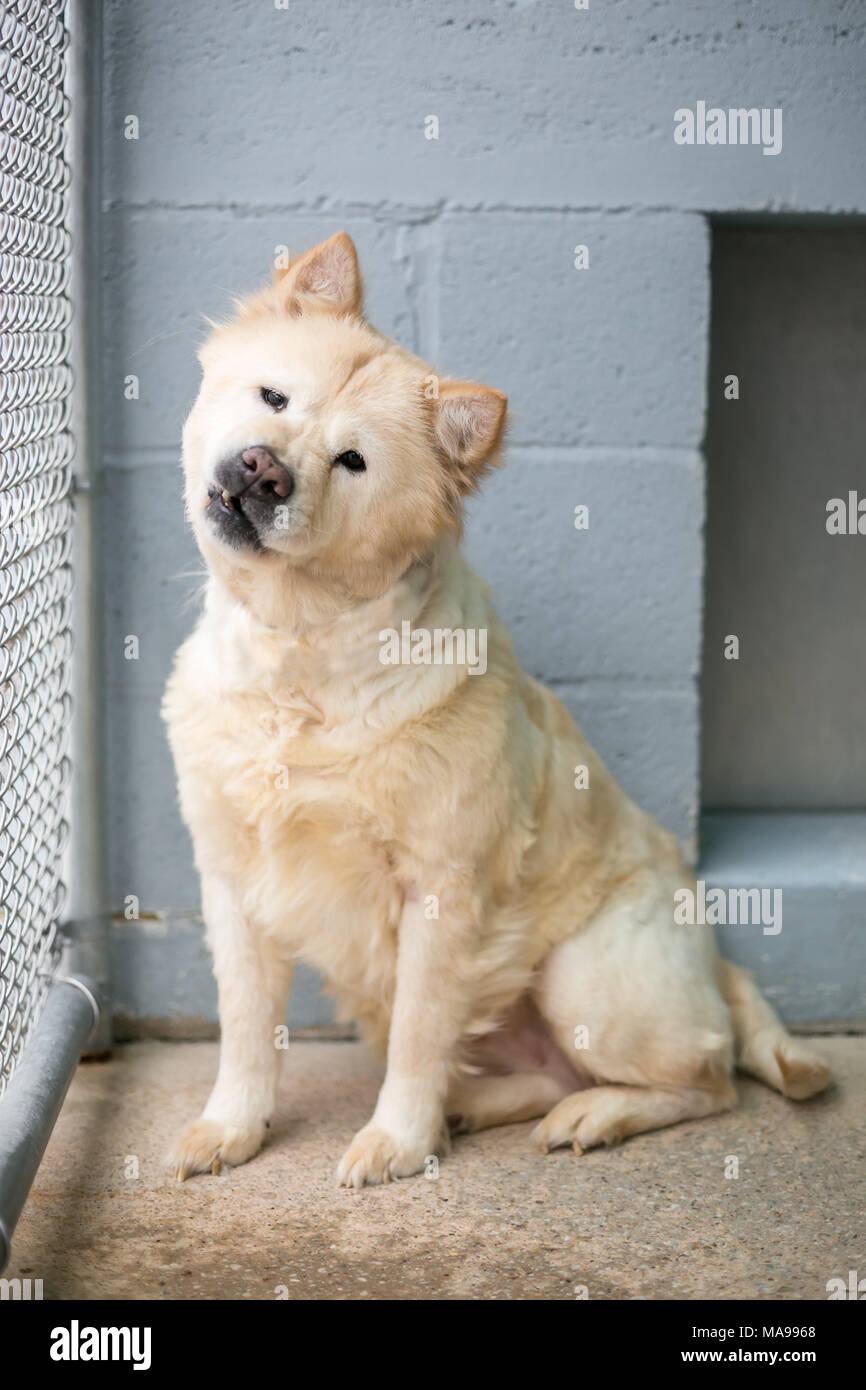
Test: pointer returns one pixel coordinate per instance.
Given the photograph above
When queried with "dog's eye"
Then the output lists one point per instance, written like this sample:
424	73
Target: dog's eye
352	460
275	399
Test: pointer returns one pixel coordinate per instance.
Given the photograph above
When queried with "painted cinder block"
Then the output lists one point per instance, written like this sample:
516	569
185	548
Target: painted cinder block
618	599
148	848
157	574
611	353
647	735
538	105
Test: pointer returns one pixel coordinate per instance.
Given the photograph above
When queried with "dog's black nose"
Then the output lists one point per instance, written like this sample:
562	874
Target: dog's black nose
247	500
253	476
265	475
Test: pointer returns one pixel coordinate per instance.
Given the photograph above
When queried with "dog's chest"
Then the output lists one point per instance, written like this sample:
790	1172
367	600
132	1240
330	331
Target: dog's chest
320	861
299	803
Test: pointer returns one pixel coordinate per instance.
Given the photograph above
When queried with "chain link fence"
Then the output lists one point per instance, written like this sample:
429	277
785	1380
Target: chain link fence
36	451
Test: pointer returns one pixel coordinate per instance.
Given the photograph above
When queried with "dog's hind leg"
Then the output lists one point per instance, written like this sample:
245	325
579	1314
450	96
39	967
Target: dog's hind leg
481	1102
764	1047
609	1114
634	994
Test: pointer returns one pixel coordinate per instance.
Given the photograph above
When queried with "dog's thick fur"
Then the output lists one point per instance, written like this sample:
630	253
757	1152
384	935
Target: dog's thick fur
415	831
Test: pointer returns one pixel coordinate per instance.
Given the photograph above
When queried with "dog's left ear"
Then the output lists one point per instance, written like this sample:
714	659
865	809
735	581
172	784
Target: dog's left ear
470	423
327	277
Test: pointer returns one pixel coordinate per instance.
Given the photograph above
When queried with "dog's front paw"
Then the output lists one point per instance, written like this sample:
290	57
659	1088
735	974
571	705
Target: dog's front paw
205	1145
375	1156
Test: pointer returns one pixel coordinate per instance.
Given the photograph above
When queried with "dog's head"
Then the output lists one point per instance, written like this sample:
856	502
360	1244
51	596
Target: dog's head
317	445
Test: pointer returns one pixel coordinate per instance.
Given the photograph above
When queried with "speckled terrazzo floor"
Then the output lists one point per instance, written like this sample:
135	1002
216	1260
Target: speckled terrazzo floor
656	1218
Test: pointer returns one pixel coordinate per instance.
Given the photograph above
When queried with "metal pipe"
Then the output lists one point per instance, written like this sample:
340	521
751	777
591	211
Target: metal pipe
88	925
34	1095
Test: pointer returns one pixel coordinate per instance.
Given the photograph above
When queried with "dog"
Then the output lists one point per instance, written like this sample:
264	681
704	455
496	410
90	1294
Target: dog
410	825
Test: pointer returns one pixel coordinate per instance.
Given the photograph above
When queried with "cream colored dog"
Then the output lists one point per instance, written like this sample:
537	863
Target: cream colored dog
412	827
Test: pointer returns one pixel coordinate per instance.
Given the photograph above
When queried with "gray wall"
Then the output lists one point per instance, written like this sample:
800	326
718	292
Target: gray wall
261	126
789	317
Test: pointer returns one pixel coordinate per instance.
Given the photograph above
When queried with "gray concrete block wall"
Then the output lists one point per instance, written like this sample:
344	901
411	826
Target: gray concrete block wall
260	127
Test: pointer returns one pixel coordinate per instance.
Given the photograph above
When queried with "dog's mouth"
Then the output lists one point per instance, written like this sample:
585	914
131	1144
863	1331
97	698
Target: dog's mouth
224	499
225	510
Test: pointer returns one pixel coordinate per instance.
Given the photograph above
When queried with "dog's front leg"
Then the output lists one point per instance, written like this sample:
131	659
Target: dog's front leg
253	978
430	1010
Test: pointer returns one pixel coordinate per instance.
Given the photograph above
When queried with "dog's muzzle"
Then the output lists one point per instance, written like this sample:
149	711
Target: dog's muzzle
245	494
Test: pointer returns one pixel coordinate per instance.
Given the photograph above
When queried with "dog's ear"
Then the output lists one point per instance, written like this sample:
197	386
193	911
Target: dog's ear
327	277
470	423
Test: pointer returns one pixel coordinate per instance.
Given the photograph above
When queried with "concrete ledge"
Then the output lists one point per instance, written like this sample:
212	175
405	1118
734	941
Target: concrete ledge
815	968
